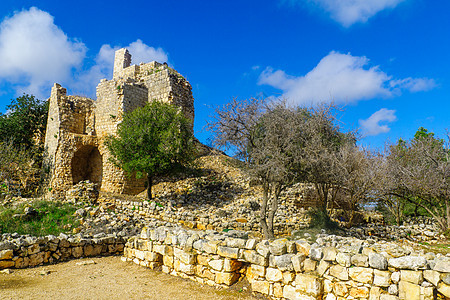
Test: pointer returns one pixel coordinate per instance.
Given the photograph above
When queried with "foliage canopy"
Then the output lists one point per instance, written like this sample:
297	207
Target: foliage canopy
152	140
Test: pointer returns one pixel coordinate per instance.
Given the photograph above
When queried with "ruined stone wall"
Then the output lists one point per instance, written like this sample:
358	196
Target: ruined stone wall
285	269
78	127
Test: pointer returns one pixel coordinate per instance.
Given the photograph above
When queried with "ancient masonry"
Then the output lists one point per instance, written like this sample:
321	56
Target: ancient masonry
77	126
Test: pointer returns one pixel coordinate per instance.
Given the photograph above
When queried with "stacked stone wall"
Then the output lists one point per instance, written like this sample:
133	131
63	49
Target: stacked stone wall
29	251
285	269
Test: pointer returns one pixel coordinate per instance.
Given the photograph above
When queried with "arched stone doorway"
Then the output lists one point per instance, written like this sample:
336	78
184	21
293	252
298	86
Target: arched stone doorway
87	165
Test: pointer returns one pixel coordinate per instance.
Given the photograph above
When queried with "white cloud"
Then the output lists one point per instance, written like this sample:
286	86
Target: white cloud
349	12
372	126
104	64
341	78
35	52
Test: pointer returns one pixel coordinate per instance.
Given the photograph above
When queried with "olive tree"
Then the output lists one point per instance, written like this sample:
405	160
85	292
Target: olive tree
152	140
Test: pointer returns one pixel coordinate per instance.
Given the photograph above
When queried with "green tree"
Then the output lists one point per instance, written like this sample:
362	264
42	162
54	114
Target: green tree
25	122
152	140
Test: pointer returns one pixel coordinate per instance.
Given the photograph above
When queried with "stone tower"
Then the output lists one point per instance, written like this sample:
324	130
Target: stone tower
77	127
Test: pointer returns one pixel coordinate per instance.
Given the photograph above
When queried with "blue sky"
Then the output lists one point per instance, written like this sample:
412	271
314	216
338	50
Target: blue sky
385	61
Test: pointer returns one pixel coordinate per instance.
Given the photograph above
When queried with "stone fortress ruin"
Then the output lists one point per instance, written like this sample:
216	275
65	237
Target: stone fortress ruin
78	126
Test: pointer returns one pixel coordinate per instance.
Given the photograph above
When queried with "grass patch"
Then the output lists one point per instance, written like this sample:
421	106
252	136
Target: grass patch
51	218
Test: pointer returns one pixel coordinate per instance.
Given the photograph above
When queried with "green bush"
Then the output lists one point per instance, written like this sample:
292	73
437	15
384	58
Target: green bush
52	218
321	219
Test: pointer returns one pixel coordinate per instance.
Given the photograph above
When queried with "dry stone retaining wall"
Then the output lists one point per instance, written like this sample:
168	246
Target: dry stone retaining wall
285	269
23	252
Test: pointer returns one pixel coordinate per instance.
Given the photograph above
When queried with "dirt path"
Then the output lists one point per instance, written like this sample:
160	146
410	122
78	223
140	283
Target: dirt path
109	278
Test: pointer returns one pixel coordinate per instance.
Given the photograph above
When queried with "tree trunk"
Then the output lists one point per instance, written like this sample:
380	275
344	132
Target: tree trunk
272	211
263	212
149	189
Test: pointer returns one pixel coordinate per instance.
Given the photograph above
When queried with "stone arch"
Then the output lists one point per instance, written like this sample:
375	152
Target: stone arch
87	164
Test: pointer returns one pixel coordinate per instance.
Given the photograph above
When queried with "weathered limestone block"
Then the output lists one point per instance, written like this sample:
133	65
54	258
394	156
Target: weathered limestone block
152	256
444	289
261	287
309	265
408	262
6	254
77	252
181	267
316	254
293	293
168	261
258	270
360	260
359	292
228	252
377	261
227	278
203	259
339	272
329	254
442	264
273	275
359	274
309	284
216	264
254	258
288	277
322	267
161	249
415	277
263	248
344	259
407	290
297	262
432	276
187	258
277	290
340	289
211	247
4	264
303	247
382	278
282	262
278	247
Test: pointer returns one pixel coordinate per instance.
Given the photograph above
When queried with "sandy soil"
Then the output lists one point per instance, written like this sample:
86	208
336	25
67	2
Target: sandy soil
109	278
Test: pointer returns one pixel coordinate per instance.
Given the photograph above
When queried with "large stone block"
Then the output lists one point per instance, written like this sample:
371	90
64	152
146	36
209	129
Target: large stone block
409	291
309	284
415	277
216	264
228	252
227	278
297	262
273	274
339	272
261	287
6	254
278	247
359	292
293	293
359	274
254	258
382	278
329	254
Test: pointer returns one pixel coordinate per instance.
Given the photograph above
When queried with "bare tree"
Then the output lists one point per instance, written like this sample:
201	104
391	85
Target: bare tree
419	172
281	145
268	136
